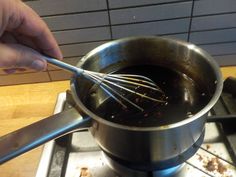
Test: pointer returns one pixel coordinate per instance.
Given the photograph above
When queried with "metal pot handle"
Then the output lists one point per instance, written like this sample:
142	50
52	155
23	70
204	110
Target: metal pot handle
34	135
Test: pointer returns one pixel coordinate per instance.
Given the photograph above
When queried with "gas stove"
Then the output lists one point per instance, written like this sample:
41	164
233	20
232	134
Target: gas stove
78	155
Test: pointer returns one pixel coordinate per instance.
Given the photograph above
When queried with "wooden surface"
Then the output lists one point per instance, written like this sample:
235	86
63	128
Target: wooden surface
228	71
24	104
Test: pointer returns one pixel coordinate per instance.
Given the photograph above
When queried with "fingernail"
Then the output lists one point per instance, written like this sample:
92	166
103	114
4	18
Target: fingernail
60	56
38	65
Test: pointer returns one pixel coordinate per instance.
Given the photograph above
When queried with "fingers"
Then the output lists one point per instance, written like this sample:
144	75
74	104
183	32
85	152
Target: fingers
18	56
8	38
25	21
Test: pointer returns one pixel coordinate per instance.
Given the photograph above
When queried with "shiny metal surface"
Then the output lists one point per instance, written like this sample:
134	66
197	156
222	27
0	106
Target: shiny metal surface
149	147
85	157
97	164
63	65
116	85
144	148
46	157
29	137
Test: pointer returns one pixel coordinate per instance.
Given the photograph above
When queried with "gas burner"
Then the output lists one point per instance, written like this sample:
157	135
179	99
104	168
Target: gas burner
122	170
95	163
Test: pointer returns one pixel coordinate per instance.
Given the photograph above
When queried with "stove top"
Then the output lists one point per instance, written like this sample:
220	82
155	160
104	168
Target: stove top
78	155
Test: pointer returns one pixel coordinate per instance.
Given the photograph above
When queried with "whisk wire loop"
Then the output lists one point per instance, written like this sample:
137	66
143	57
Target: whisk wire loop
116	84
106	82
109	89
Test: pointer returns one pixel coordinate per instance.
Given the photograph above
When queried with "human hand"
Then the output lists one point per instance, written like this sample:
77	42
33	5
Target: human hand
23	36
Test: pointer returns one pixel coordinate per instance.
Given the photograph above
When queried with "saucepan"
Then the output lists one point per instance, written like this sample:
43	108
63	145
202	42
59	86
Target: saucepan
150	147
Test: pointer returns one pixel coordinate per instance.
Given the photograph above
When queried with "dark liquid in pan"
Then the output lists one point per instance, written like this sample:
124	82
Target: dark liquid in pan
185	98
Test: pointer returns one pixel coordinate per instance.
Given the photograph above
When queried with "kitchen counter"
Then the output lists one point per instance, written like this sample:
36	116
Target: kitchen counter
22	105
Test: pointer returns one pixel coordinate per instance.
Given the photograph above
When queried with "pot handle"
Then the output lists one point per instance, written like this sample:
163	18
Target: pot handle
36	134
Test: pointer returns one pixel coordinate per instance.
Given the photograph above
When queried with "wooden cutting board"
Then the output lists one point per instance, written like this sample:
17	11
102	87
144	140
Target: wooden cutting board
22	105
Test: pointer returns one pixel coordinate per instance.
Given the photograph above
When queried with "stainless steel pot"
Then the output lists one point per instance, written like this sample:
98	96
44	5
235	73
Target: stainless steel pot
143	148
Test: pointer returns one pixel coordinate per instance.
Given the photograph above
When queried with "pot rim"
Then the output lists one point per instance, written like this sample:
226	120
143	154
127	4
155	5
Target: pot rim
202	112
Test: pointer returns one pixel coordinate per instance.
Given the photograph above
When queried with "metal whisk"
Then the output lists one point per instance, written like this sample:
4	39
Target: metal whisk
116	85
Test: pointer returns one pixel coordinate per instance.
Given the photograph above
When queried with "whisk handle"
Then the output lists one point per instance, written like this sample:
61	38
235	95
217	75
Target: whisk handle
63	65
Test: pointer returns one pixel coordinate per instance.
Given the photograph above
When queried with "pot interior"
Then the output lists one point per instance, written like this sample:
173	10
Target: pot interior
179	69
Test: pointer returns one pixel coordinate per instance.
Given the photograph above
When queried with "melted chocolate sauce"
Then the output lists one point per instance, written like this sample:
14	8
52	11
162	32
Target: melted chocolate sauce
185	98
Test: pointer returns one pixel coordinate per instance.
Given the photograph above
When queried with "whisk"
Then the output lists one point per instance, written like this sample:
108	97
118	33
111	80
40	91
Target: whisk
115	85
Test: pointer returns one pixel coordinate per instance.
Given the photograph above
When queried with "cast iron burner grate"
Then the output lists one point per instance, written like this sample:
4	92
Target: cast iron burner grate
77	155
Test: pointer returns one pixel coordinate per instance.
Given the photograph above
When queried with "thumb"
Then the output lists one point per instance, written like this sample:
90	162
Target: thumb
19	56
